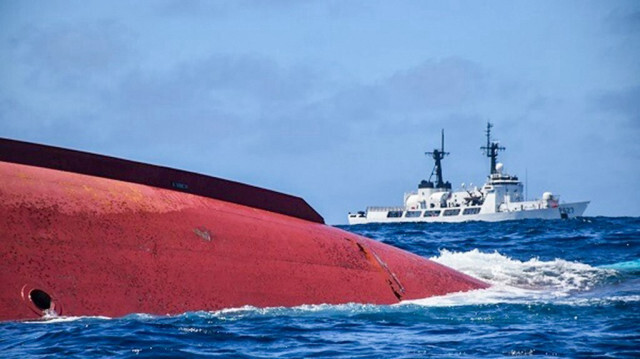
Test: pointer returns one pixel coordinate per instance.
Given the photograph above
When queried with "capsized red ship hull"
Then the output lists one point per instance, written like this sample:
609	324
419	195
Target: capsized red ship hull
82	244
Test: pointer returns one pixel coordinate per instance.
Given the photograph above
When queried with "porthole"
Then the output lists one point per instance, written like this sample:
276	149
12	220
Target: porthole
40	299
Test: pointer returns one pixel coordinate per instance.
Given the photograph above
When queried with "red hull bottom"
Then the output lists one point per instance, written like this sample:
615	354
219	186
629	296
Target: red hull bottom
98	246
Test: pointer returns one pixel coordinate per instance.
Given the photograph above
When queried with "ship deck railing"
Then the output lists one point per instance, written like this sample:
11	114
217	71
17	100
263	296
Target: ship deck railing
384	209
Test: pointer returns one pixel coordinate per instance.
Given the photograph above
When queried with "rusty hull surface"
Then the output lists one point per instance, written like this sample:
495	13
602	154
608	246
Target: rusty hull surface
157	176
99	246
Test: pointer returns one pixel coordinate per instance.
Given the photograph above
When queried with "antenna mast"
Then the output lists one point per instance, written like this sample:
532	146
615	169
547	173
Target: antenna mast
437	156
491	149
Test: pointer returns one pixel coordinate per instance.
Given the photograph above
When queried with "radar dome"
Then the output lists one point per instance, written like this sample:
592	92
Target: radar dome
499	167
547	196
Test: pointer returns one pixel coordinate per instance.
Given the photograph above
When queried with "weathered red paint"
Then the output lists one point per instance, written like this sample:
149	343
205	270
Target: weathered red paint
100	246
156	176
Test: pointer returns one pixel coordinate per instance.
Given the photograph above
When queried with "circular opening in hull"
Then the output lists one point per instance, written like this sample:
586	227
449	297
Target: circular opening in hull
40	299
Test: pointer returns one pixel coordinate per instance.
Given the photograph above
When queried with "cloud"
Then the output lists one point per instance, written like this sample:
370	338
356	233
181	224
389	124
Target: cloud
244	101
220	78
87	77
431	86
193	9
221	98
435	84
219	9
73	55
397	105
87	71
624	103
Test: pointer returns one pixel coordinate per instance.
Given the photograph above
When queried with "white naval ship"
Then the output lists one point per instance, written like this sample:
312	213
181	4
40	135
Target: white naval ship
500	199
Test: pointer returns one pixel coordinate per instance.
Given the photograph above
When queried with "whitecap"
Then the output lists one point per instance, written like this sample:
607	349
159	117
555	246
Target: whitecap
52	319
558	275
521	282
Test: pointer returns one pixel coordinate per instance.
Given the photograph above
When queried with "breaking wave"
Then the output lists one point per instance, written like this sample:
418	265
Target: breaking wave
525	282
558	275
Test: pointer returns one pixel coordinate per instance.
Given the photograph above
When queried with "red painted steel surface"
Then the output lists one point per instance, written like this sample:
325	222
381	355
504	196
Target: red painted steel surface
157	176
99	246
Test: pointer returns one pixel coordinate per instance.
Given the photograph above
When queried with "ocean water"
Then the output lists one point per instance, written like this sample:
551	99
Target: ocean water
559	288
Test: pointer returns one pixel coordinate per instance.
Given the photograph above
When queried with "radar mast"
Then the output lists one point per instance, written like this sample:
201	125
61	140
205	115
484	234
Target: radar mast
437	156
491	149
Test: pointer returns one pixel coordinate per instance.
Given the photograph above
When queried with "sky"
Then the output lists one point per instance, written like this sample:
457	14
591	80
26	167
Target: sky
336	101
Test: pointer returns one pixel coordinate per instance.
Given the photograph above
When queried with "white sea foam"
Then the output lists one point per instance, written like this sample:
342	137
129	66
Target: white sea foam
515	281
558	275
52	319
301	310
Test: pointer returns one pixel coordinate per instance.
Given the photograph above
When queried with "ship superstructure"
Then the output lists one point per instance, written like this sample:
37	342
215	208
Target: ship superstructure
500	198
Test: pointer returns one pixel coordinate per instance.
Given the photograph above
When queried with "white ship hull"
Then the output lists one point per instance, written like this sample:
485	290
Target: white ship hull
564	210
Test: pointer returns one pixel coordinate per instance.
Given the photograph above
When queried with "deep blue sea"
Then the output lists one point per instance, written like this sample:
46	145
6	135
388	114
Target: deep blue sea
560	288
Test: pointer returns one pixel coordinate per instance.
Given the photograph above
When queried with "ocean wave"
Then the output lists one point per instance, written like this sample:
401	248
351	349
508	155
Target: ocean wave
503	294
297	311
558	275
534	281
627	266
53	319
